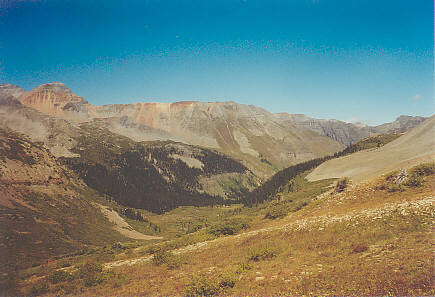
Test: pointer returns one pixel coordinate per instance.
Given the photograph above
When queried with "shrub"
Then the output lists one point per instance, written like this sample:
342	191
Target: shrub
65	263
241	268
262	253
394	188
39	289
341	185
90	268
206	285
65	289
359	248
277	211
300	206
118	245
228	227
414	180
423	169
93	280
167	258
119	280
193	227
91	274
58	276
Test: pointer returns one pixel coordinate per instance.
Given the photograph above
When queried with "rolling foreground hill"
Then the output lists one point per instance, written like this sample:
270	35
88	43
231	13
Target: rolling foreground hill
414	147
312	239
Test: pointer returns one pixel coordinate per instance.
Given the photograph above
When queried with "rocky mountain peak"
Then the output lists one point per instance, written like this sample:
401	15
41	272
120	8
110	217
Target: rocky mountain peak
53	98
54	92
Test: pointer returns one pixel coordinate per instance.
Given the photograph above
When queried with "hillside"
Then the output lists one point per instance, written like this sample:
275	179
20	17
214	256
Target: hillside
416	146
364	240
348	133
155	175
46	209
244	132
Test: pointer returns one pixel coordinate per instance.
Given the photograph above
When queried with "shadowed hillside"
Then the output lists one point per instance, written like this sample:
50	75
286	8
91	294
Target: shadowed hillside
46	209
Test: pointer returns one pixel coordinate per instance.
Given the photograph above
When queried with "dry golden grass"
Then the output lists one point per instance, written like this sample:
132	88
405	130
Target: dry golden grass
363	241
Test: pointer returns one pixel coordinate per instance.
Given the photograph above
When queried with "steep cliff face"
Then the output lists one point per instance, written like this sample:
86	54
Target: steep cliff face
348	133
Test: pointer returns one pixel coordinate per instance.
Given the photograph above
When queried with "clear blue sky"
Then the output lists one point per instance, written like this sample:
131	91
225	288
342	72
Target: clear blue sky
370	60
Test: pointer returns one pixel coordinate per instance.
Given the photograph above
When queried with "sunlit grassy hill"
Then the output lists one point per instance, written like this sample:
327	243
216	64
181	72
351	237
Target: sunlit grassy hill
367	239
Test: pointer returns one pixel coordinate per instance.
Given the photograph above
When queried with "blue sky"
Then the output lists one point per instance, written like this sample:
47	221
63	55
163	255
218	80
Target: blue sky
369	60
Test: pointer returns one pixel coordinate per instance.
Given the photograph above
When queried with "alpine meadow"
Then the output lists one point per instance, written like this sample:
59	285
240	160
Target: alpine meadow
217	148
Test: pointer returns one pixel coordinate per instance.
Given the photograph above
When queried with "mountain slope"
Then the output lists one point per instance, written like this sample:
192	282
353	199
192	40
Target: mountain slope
400	125
153	175
45	209
244	132
416	146
362	241
156	176
348	133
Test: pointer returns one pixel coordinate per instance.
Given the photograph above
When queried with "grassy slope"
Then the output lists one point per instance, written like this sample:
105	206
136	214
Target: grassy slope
414	147
273	185
364	241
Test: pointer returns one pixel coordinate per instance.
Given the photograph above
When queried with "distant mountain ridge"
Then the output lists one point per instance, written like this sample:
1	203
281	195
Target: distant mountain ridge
414	147
265	142
349	133
244	132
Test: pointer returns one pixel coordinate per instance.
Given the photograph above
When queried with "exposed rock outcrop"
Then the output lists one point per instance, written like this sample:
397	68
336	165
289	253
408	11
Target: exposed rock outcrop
55	99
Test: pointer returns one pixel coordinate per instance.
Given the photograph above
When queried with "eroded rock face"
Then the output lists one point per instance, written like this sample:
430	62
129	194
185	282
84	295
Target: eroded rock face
54	99
154	175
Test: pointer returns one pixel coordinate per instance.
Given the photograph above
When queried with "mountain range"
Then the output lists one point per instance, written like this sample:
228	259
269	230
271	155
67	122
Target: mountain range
262	141
349	133
79	181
